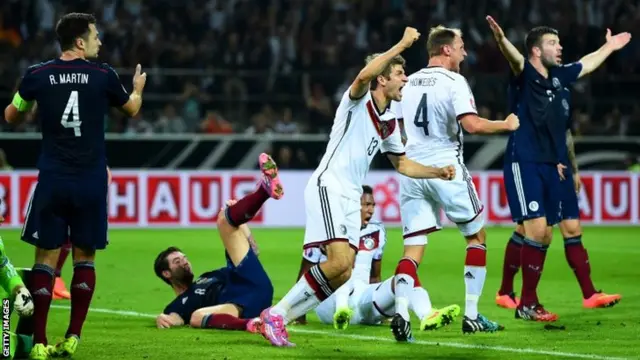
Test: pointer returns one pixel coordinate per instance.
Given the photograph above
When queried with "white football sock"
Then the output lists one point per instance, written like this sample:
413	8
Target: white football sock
404	288
474	277
420	302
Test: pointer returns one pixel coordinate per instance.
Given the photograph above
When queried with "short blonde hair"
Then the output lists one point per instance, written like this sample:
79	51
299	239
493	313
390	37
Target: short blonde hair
397	60
440	36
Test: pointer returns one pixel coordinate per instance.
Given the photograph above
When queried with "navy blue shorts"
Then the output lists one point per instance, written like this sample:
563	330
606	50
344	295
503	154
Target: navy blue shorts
533	191
569	205
249	286
74	208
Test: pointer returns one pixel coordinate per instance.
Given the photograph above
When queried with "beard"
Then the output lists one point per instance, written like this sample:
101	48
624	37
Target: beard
182	276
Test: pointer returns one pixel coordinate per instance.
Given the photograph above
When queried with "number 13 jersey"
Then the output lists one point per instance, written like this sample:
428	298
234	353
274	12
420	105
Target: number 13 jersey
433	101
359	131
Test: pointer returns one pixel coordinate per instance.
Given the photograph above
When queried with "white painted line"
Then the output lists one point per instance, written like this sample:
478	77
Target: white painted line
377	338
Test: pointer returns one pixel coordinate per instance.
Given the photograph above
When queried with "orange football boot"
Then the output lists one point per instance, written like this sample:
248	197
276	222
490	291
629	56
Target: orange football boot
60	291
508	301
601	300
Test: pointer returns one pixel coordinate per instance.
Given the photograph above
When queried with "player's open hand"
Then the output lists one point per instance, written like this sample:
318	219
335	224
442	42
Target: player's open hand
139	79
163	321
410	36
513	122
447	173
498	33
561	168
617	41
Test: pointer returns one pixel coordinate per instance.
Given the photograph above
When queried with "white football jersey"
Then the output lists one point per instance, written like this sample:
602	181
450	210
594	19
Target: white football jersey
373	239
432	102
359	131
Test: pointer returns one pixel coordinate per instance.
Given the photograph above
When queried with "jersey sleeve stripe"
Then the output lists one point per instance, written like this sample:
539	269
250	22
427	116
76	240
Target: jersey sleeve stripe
346	128
394	153
465	114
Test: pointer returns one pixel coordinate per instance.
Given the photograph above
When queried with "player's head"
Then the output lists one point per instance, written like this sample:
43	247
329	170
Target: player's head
392	79
173	267
77	32
368	204
446	43
543	43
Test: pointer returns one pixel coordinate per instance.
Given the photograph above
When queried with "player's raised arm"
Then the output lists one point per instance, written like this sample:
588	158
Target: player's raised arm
514	57
415	170
129	104
23	100
361	84
592	61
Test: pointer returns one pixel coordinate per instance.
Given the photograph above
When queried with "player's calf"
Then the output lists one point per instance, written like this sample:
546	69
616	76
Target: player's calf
83	286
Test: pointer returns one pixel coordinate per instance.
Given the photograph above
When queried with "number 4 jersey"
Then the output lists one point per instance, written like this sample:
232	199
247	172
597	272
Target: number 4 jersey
359	131
73	98
432	102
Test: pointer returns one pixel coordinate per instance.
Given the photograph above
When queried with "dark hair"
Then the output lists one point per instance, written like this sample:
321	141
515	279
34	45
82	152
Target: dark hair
161	264
534	36
440	36
72	26
366	189
397	60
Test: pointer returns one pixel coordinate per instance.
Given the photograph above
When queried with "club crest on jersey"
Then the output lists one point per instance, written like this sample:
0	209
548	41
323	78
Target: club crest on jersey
370	241
555	82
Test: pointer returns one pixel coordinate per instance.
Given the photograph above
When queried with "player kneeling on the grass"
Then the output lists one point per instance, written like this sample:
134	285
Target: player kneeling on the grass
364	299
12	287
231	297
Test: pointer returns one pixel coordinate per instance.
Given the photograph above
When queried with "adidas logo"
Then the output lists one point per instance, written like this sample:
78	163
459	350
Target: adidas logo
42	291
402	281
82	286
35	235
184	300
469	275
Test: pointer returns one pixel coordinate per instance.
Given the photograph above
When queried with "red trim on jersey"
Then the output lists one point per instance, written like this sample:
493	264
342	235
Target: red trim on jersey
383	128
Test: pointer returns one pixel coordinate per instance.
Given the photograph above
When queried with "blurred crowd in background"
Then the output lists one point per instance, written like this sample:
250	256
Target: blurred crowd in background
278	66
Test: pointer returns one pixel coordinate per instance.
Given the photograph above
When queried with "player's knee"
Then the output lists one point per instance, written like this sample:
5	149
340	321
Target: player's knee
536	229
340	257
570	228
82	254
222	221
478	238
520	229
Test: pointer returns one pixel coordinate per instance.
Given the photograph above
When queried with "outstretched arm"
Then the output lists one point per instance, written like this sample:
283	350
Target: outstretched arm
361	84
510	52
415	170
592	61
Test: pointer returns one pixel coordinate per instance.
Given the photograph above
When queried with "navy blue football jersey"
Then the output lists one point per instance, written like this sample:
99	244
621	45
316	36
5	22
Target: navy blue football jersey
538	103
203	292
73	98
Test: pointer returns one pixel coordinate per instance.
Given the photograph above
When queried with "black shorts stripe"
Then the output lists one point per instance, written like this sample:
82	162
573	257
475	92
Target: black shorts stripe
475	202
326	213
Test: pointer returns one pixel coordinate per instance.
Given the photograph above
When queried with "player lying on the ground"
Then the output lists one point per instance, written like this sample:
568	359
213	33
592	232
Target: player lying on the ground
231	297
12	287
546	40
365	300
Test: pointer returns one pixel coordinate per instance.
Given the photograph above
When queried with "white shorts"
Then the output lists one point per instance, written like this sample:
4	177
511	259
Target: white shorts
330	216
422	199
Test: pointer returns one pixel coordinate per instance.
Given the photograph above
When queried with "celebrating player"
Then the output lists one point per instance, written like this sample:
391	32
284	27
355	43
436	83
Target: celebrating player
440	103
231	297
371	300
73	96
363	125
570	228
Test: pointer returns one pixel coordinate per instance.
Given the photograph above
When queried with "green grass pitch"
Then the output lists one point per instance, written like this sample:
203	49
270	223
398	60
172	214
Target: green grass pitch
128	294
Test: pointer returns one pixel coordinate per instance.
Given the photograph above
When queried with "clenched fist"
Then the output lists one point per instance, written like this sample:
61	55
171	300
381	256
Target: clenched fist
409	37
513	122
447	173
